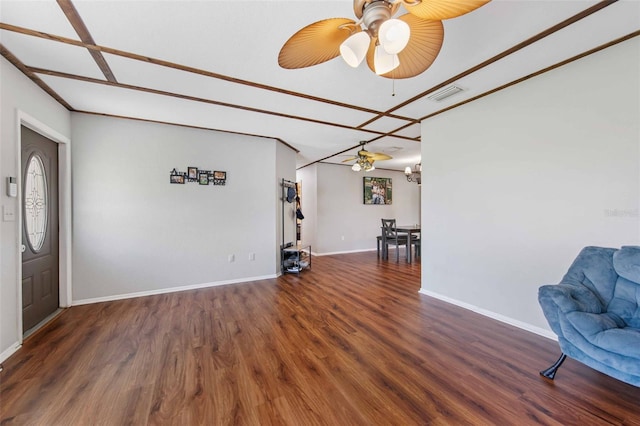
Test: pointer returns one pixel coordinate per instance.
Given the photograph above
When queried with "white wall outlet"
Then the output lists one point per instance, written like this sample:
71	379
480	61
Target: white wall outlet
252	256
342	238
232	258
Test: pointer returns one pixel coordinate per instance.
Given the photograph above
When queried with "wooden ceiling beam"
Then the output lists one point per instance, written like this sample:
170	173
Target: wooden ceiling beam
77	23
26	71
531	40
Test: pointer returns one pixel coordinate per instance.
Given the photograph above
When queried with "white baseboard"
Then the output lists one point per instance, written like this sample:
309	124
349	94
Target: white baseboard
9	351
499	317
168	290
342	252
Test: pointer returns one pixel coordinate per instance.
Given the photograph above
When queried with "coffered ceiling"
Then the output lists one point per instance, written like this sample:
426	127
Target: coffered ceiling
214	64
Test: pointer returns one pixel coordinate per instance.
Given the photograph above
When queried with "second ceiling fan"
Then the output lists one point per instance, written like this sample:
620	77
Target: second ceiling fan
365	159
397	48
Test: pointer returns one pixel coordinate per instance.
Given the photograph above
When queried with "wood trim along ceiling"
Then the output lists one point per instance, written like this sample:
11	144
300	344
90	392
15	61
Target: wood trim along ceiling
179	67
517	81
81	29
188	126
97	50
25	70
203	100
572	20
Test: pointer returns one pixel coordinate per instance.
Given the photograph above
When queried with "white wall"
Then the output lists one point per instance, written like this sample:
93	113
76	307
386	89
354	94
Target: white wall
341	212
309	199
285	157
518	182
18	96
135	233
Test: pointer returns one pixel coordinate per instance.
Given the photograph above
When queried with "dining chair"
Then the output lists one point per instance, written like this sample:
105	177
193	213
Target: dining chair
390	236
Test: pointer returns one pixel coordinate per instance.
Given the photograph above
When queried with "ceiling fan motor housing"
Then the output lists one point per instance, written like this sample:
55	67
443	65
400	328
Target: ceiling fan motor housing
373	13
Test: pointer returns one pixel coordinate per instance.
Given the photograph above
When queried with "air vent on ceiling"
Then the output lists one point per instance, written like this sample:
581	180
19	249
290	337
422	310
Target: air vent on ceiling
445	93
392	149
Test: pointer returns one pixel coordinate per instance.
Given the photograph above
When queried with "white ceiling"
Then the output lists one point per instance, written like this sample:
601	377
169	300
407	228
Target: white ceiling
214	64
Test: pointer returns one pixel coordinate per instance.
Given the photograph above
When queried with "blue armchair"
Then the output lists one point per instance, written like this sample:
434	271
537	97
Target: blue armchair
595	312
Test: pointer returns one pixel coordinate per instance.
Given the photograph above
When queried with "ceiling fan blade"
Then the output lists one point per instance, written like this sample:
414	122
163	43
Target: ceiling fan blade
349	159
424	45
378	156
316	43
442	9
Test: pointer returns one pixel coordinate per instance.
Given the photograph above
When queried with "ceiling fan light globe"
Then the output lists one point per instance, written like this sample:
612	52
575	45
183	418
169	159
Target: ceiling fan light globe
394	35
354	49
356	167
384	62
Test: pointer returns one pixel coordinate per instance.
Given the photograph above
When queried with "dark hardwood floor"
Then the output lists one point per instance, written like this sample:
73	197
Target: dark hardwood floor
350	342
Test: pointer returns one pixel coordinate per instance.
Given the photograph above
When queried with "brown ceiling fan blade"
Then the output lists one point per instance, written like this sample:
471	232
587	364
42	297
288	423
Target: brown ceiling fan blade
442	9
316	43
349	159
424	45
378	156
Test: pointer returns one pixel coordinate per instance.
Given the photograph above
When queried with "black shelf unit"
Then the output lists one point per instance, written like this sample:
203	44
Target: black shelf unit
294	258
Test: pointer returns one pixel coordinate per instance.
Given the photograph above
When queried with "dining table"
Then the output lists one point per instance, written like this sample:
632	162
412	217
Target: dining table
405	229
409	230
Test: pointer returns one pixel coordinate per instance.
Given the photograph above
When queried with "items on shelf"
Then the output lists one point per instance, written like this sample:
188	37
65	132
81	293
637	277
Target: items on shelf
295	258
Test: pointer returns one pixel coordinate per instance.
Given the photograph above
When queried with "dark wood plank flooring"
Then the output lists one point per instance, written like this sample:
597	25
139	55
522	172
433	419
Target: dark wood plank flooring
350	342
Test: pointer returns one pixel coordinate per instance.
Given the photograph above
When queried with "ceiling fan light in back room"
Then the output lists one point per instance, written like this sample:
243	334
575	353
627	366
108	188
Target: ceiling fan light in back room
354	49
394	35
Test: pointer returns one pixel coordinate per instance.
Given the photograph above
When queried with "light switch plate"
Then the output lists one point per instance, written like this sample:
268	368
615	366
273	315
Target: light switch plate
8	214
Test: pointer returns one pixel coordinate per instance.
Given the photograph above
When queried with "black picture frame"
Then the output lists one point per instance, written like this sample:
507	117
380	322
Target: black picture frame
192	173
218	177
377	191
179	179
203	177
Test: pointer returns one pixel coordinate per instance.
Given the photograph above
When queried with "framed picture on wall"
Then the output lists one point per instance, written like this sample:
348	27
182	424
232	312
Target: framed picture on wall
377	190
203	177
177	178
192	173
219	178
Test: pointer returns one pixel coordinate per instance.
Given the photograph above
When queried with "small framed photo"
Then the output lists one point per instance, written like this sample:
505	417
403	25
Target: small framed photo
203	178
192	173
219	178
177	179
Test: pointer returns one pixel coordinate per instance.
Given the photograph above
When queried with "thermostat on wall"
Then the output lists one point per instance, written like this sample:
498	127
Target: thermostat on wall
12	187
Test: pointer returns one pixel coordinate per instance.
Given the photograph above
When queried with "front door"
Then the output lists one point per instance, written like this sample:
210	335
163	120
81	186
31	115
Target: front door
40	276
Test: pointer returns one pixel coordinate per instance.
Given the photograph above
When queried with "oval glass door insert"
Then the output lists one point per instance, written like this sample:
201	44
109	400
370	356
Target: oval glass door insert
35	203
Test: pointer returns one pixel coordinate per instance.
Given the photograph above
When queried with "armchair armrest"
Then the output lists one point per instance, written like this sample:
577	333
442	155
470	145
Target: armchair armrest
559	299
569	298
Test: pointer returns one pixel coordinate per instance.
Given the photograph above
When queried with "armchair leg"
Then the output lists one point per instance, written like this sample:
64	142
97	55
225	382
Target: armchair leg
550	372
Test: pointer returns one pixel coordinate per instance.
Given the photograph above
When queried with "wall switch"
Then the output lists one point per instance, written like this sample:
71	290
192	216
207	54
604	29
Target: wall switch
342	238
8	214
232	258
252	256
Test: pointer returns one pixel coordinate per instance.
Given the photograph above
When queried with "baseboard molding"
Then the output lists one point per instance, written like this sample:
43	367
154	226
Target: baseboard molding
331	253
499	317
10	351
168	290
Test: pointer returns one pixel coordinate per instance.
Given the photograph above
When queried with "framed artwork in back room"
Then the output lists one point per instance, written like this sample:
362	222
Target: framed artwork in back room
377	190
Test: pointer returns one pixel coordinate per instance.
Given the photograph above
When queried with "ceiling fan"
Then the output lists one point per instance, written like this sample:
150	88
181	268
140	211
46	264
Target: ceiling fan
396	48
365	159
